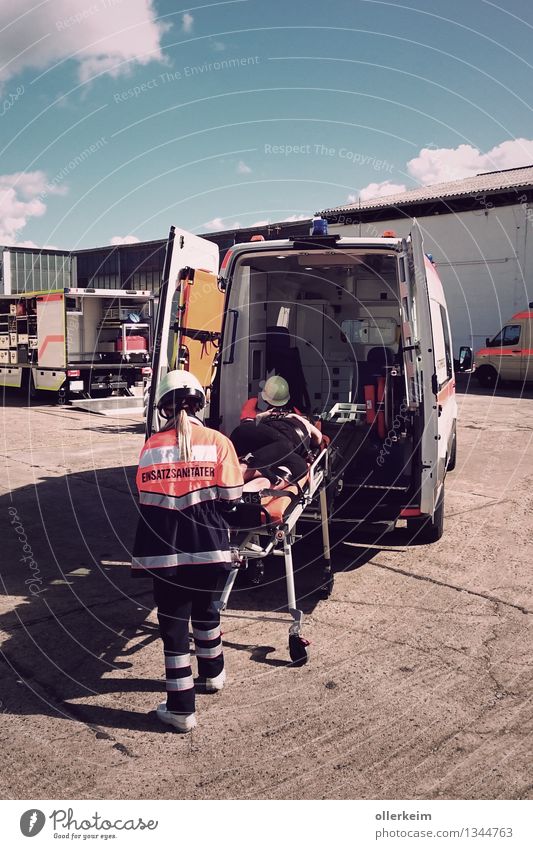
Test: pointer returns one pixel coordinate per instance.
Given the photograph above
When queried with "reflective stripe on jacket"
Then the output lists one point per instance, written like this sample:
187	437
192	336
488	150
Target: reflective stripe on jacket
180	519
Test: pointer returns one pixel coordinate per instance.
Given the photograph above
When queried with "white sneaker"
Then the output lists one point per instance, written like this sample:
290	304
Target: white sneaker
213	685
181	722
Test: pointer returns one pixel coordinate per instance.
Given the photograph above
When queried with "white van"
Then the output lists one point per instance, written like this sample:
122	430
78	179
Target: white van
509	355
358	327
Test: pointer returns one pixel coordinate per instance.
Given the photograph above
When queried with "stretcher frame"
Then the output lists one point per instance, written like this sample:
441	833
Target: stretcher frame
277	539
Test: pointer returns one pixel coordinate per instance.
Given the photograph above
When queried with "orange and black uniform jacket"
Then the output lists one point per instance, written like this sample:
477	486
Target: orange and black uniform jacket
181	521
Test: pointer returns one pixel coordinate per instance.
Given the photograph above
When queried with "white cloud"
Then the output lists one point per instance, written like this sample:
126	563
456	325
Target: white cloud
243	168
218	46
264	223
123	240
218	224
29	244
379	190
455	163
99	37
21	198
187	21
297	218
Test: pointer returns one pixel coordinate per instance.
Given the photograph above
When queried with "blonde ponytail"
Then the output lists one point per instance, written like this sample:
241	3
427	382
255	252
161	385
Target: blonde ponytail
183	435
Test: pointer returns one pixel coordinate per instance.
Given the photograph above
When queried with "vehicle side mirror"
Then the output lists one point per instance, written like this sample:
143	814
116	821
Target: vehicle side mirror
465	358
487	342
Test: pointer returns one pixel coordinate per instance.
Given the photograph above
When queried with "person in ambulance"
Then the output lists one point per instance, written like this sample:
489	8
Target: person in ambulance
273	437
188	477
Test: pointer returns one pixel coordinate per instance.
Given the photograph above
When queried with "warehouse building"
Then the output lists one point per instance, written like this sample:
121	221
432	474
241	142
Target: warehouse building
140	265
133	267
34	270
479	232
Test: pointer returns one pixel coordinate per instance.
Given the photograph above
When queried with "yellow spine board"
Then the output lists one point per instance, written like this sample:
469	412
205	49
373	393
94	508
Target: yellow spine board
202	312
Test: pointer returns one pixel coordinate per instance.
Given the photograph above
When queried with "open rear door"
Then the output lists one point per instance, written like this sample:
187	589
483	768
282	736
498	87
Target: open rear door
52	352
420	363
189	314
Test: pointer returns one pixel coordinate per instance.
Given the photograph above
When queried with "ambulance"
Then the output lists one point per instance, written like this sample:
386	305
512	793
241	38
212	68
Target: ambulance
509	355
358	327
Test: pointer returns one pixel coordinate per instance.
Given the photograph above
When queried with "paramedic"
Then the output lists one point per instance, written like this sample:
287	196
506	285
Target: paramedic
188	476
273	437
274	392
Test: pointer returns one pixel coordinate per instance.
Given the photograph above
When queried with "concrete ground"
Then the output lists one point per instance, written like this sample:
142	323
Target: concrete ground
419	684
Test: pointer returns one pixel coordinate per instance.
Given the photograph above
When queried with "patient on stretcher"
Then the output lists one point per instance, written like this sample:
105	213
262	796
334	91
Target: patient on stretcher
273	439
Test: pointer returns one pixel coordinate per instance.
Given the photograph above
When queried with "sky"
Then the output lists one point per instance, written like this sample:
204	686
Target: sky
119	118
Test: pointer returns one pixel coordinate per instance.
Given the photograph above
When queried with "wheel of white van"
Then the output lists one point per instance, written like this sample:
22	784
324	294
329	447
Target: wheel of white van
487	377
452	462
426	531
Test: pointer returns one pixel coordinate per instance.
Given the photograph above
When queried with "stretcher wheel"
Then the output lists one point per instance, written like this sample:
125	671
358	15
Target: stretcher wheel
256	572
298	649
326	588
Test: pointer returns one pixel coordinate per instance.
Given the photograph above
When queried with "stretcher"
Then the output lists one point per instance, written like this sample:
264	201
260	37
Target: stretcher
264	524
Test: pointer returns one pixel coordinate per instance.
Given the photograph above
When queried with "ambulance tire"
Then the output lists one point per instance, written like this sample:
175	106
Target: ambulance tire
426	531
452	462
487	377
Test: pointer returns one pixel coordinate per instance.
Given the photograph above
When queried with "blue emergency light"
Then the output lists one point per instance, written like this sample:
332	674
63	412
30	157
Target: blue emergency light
319	227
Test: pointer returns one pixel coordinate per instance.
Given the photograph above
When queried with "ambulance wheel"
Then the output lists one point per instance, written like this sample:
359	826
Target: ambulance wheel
426	531
487	377
298	649
452	462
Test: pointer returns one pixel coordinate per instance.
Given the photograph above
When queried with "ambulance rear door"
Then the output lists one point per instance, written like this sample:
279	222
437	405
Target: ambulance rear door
419	357
51	337
189	314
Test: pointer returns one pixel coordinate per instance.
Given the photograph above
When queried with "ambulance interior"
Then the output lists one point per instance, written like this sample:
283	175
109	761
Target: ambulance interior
329	323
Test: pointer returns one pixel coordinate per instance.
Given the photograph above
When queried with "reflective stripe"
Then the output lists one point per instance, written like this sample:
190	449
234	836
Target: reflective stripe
179	502
180	683
214	652
162	561
212	634
156	456
171	454
179	661
229	493
204	452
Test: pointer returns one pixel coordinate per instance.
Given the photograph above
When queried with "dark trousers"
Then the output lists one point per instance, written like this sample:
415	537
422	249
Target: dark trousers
268	448
189	596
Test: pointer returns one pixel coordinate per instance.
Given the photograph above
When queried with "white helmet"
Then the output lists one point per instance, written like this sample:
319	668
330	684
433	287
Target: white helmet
276	391
178	386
